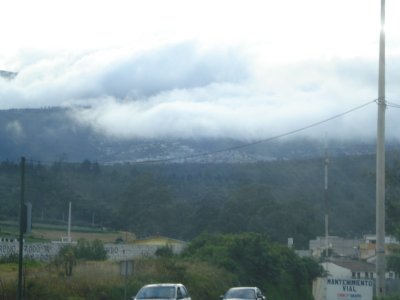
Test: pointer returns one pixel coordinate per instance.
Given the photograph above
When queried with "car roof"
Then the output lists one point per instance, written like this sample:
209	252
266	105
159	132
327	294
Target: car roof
163	284
243	287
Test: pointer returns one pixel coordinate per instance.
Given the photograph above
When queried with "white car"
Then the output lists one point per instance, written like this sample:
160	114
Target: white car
164	291
243	293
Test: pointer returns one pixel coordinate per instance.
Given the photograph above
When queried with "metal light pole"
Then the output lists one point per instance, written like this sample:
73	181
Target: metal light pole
380	166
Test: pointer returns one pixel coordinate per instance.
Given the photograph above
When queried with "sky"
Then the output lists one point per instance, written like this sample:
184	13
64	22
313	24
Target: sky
246	70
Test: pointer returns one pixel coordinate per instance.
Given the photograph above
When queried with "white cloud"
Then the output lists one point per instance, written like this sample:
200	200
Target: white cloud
81	79
204	69
15	129
182	91
247	111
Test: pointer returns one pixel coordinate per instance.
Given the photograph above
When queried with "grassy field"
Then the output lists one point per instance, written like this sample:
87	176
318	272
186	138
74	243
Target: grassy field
102	280
105	236
47	232
45	281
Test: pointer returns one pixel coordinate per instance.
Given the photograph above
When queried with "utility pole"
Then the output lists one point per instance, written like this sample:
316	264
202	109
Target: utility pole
21	229
69	223
125	277
380	166
326	201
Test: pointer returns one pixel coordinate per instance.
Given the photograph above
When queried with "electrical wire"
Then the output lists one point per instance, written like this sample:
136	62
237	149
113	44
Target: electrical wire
259	141
246	145
392	104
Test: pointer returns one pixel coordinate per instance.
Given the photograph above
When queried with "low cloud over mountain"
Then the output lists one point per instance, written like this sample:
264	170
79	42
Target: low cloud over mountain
185	91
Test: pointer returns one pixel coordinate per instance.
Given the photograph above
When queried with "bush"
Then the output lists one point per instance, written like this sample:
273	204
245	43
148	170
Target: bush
90	250
165	251
12	258
257	261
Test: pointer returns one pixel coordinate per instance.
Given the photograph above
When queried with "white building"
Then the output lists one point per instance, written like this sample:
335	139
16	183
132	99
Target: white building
338	246
355	279
349	269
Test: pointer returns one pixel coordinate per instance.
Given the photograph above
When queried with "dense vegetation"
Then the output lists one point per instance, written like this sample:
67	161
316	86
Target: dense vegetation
256	261
281	199
210	265
393	213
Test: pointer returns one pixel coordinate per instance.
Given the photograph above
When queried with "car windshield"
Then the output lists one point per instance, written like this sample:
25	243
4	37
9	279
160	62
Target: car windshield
241	293
156	292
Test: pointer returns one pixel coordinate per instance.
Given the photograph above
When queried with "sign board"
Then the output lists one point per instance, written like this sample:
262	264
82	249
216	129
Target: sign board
349	289
126	267
27	217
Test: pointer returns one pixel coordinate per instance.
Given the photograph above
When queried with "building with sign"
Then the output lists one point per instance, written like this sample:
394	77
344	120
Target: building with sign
334	288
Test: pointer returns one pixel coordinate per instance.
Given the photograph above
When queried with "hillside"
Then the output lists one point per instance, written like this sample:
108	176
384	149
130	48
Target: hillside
281	198
275	188
52	134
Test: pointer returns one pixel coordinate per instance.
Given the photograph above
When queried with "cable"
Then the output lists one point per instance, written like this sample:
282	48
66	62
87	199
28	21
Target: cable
259	141
389	104
392	104
239	146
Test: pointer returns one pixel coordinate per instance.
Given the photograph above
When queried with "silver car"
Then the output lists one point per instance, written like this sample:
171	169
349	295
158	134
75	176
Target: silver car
163	291
243	293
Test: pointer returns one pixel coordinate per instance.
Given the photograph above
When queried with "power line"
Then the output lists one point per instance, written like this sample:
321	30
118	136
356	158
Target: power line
246	145
259	141
392	104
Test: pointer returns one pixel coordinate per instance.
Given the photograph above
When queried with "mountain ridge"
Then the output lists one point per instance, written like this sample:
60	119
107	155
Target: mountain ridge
51	134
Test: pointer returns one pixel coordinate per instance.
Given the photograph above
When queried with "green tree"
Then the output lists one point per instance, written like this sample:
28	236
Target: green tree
258	261
393	198
147	207
66	258
93	250
393	260
165	251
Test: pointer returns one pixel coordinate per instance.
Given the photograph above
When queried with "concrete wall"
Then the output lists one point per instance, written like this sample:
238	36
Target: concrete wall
46	251
37	251
127	251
